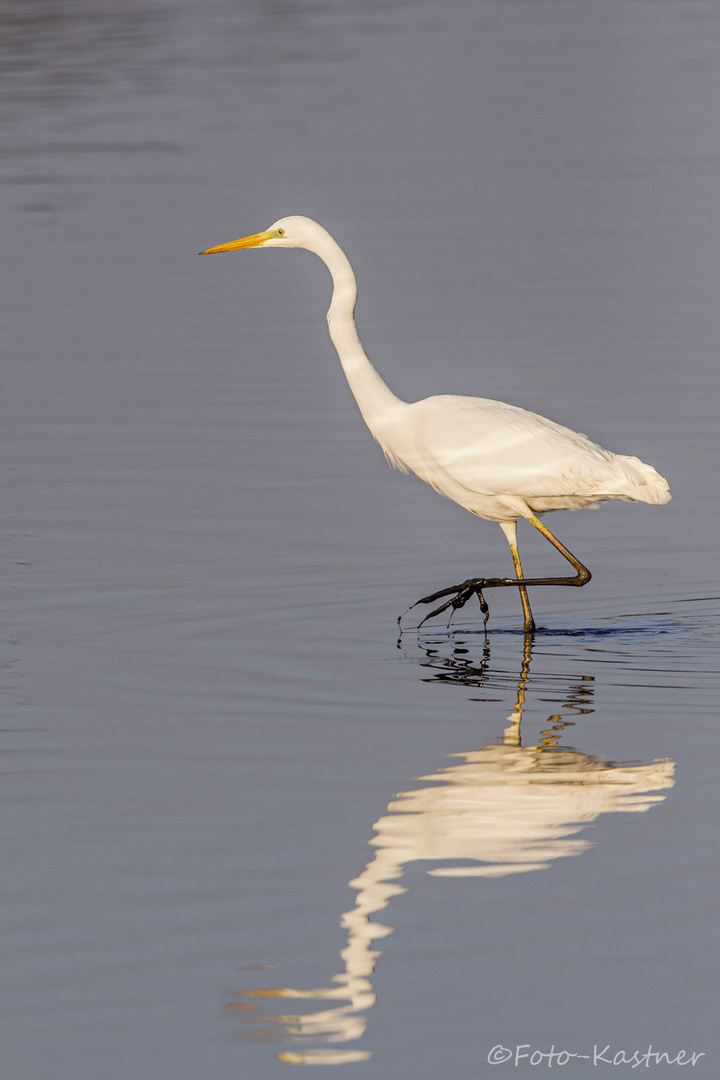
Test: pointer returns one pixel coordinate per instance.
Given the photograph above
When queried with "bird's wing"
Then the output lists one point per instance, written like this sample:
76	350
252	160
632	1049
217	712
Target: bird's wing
492	448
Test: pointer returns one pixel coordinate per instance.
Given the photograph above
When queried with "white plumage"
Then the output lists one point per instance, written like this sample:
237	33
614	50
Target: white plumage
491	457
498	461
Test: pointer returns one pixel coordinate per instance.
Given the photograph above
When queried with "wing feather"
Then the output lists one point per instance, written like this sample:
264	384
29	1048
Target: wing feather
491	448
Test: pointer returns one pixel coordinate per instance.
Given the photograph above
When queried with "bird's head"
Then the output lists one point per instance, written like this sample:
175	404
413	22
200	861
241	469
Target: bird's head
288	232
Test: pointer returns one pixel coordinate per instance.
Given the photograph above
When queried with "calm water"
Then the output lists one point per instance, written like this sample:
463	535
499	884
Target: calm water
243	825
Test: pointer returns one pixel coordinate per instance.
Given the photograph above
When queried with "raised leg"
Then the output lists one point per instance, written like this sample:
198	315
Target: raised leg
460	594
583	574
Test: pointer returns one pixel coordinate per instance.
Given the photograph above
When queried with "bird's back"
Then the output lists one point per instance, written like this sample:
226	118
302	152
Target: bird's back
493	458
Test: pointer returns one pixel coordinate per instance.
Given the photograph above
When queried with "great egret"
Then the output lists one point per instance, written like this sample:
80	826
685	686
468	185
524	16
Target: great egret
498	461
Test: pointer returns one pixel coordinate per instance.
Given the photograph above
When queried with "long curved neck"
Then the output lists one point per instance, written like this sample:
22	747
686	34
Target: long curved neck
373	396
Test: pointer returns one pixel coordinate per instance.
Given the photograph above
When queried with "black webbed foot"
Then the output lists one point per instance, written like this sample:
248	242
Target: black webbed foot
461	594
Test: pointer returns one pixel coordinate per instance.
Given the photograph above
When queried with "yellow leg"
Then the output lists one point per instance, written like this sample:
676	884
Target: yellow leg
510	530
583	574
460	594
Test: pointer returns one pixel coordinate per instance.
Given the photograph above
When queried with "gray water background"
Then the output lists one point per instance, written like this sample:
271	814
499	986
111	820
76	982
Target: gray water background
203	553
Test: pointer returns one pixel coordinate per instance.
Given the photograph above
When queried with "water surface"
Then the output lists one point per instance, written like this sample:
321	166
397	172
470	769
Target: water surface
244	827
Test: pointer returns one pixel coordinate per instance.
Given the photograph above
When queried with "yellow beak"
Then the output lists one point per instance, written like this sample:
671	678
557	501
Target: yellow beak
246	242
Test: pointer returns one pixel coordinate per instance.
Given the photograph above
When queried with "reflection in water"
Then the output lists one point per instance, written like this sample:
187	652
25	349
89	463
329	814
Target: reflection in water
502	809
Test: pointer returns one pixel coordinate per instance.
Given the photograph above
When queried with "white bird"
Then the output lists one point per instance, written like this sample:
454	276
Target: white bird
499	461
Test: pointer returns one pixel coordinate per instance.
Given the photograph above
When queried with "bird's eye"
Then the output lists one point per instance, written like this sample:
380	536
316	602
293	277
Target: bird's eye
281	232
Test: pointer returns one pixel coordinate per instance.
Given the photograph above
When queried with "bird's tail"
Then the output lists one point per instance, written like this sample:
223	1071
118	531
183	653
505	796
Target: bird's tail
644	483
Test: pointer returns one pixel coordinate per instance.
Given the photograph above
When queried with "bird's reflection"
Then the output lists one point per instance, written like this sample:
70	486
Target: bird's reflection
501	809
